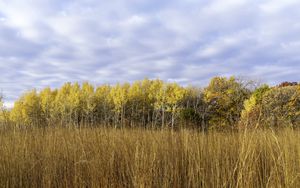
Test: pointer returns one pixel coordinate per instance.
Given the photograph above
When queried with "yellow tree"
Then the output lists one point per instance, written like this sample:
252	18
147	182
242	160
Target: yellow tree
294	105
74	101
157	100
88	102
1	109
119	97
166	99
252	112
174	95
139	102
16	114
147	102
27	110
62	106
103	104
135	103
225	98
280	107
4	113
47	104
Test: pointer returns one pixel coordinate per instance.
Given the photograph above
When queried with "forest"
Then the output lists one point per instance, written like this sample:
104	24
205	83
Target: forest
226	103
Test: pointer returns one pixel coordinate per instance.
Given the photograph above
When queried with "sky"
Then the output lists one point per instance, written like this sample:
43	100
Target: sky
50	42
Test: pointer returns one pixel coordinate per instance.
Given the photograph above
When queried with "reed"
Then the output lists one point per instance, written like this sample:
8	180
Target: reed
103	157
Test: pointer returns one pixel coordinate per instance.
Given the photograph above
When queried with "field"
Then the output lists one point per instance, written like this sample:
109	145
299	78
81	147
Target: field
106	157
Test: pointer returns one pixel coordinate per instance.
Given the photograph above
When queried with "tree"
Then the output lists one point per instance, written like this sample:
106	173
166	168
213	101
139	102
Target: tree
156	98
16	114
174	95
104	107
252	113
147	102
88	102
273	107
195	109
4	113
47	98
28	110
135	104
225	98
294	106
119	97
280	106
223	103
285	84
62	104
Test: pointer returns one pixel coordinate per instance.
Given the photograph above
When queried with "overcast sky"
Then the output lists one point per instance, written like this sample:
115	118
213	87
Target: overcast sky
49	42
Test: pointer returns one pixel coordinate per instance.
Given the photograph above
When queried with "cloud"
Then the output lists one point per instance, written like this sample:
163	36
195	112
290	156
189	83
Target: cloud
47	43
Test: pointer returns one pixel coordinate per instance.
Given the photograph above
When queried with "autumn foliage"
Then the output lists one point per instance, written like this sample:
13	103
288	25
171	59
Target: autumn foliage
224	103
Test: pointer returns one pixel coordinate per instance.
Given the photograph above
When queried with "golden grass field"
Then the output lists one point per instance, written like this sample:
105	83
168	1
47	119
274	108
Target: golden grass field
103	157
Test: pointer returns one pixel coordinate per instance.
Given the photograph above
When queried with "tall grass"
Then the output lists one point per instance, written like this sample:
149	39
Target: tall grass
102	157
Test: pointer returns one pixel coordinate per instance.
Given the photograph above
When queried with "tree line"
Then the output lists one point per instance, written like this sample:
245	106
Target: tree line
224	103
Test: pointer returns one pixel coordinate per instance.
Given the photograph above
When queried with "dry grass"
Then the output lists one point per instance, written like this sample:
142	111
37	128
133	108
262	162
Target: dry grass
142	158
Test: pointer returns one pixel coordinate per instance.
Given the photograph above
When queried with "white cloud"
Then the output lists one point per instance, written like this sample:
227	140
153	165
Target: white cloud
134	20
275	6
47	43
